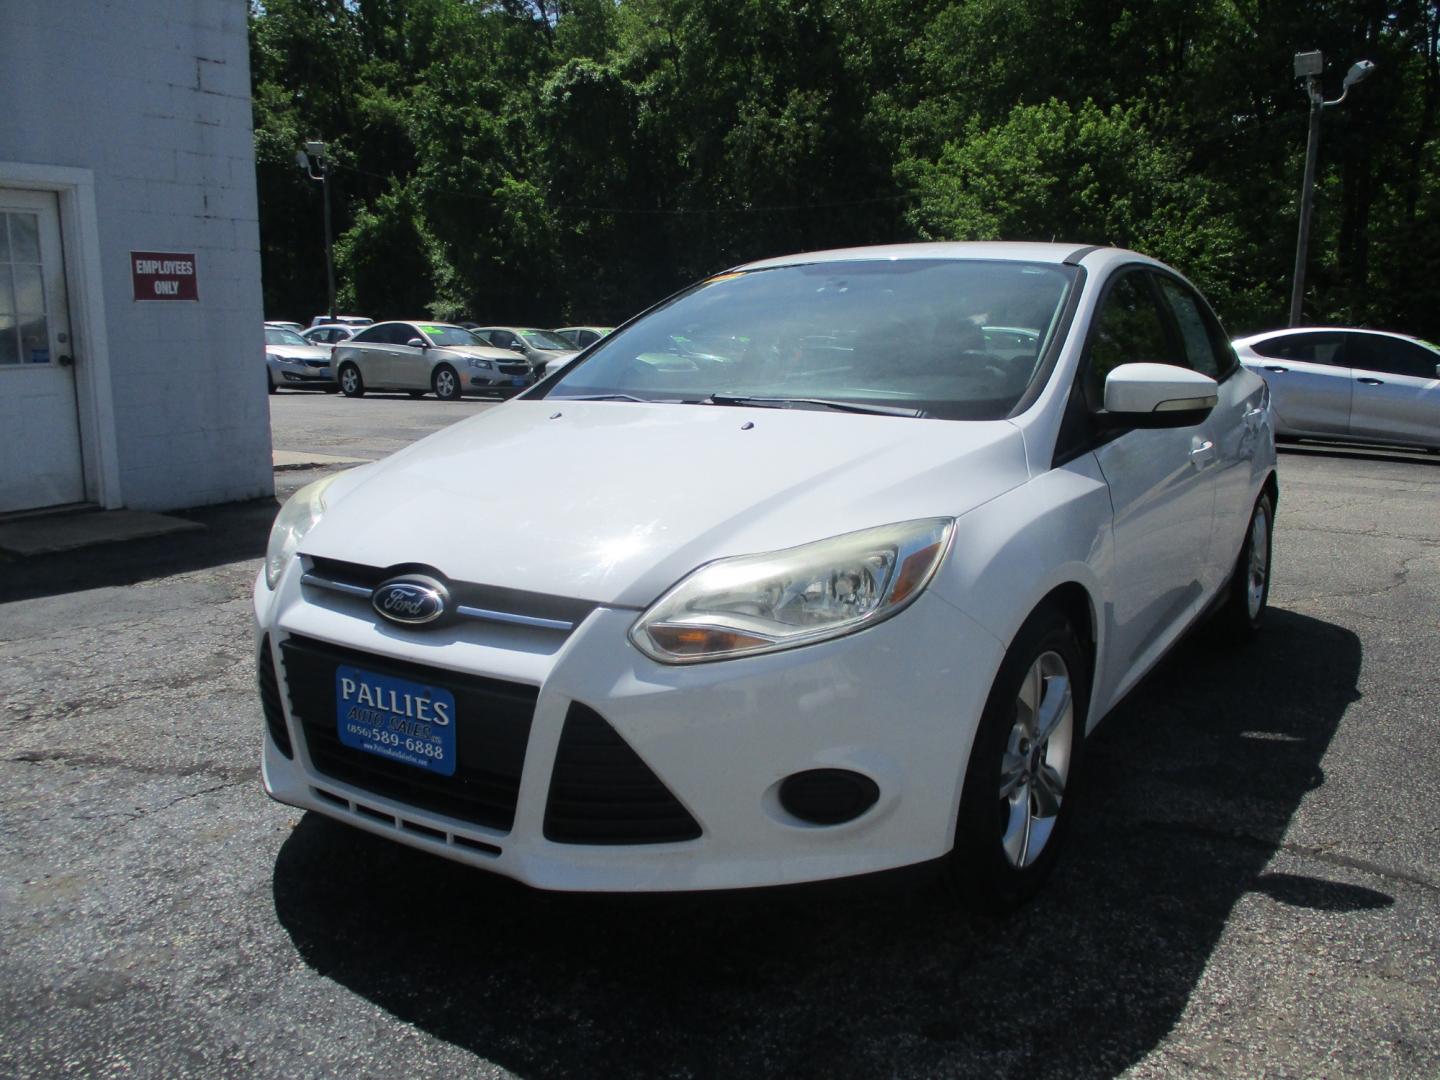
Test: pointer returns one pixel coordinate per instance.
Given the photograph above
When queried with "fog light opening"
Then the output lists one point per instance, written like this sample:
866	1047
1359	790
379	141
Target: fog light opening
828	796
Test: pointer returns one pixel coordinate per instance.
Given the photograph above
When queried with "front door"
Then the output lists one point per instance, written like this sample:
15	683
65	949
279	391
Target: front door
1397	389
40	462
1162	490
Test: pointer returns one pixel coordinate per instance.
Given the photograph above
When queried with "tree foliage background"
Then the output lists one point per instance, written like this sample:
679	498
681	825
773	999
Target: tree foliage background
558	161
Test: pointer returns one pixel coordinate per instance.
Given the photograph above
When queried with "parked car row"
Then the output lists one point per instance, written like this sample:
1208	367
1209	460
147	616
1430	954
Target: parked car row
445	359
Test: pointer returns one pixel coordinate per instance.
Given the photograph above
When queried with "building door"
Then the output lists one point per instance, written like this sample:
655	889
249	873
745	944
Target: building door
40	460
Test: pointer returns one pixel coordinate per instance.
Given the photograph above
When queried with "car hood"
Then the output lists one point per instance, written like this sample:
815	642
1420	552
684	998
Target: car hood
298	352
613	502
485	352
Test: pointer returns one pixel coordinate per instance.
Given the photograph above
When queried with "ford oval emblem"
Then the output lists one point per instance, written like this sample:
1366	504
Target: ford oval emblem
411	601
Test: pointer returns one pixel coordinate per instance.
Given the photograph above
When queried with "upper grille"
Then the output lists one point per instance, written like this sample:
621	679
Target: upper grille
491	603
601	792
492	727
270	701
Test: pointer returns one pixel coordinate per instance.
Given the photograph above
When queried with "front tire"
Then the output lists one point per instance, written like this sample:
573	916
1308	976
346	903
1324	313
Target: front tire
1248	591
1017	801
351	384
445	383
269	382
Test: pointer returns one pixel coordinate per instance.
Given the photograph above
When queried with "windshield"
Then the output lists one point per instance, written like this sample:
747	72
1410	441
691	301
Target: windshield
449	335
544	339
956	339
275	335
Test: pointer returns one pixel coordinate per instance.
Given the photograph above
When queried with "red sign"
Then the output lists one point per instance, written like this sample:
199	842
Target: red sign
163	275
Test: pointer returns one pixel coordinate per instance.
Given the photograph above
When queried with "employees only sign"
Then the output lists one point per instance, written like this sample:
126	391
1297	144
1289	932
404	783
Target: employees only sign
164	275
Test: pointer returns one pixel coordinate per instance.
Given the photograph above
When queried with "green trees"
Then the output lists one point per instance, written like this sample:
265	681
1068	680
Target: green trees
562	160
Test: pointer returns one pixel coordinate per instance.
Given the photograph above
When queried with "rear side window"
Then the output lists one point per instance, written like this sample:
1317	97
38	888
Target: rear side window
1129	328
371	335
1196	335
1391	356
1307	348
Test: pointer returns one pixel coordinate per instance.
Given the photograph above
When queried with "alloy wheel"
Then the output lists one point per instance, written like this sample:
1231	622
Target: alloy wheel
1259	561
1036	761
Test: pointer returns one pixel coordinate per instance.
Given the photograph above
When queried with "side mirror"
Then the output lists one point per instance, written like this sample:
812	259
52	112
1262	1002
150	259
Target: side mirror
1157	396
418	343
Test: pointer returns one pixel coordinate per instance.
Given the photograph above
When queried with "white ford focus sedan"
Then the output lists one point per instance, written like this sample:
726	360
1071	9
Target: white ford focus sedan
842	592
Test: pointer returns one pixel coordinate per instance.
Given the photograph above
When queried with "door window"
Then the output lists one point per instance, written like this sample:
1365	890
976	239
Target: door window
24	329
1195	329
1392	356
1307	348
1129	328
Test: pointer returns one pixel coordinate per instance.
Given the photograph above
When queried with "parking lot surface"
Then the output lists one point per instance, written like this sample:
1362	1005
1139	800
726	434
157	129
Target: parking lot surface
1253	886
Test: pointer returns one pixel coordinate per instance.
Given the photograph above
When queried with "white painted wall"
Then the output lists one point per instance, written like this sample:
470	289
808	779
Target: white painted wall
153	98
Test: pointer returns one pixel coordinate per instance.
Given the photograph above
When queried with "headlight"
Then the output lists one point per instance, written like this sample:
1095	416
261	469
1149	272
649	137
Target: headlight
296	518
762	603
476	362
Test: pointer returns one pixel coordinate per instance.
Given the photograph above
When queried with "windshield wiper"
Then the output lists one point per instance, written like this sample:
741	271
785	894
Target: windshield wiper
609	397
811	402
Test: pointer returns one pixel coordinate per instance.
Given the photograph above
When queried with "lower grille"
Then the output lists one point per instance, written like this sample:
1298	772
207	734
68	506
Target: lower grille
492	729
601	792
270	701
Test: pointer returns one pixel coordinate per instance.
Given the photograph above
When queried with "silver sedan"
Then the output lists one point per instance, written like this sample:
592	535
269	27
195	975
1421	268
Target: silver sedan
293	362
420	357
1347	384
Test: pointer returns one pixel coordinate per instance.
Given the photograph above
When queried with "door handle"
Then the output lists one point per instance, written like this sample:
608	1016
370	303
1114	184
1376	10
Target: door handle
1203	454
1276	370
1371	382
65	360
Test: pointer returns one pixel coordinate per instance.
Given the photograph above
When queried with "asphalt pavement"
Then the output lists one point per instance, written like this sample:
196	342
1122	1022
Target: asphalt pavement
1253	885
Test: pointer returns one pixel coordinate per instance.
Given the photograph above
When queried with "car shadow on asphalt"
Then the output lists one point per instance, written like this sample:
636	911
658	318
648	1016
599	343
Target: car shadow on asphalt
1192	783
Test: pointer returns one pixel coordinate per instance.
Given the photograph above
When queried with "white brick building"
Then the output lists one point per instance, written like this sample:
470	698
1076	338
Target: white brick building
126	128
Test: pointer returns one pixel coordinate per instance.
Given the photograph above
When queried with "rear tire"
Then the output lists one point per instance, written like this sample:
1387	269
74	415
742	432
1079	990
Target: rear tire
1248	591
1018	798
445	383
351	384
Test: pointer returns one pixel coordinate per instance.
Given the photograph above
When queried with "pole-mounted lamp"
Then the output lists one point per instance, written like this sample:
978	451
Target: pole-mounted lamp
1308	66
312	161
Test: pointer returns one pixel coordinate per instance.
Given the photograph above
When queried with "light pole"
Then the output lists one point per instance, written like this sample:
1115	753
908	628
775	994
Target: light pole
312	160
1308	66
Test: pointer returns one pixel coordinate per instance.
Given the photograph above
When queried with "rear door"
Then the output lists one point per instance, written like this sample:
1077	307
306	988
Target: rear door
1310	382
1396	389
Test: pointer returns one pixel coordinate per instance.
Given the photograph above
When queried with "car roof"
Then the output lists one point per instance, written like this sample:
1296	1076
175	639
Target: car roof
1266	335
1002	250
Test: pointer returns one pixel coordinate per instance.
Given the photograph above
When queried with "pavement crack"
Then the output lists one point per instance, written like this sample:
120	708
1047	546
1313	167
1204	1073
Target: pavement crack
77	759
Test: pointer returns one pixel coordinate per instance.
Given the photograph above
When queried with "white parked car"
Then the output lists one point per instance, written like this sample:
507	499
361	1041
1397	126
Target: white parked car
293	362
445	360
1351	385
330	333
836	599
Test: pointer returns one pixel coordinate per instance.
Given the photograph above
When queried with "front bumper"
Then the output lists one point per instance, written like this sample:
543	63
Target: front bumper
897	703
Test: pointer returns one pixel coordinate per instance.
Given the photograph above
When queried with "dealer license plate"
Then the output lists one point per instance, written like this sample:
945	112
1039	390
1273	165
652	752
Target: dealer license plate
397	719
518	380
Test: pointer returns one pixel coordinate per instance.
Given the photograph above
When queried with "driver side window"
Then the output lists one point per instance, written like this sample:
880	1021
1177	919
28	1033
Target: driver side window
1128	328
